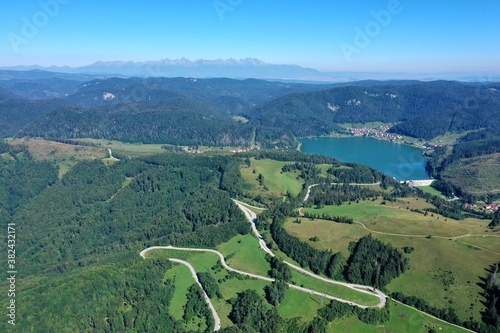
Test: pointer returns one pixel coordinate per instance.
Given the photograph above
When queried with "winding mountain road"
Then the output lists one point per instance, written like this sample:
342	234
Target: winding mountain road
205	296
251	216
265	278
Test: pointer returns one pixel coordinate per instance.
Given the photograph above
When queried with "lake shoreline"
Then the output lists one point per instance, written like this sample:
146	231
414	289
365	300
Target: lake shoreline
342	136
401	161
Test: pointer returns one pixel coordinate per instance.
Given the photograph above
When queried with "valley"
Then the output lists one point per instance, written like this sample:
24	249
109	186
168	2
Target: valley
243	252
202	178
250	166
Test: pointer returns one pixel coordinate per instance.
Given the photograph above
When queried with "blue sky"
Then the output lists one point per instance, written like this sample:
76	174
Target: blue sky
331	35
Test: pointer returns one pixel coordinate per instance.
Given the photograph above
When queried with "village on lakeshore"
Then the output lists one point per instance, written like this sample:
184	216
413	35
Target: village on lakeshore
379	133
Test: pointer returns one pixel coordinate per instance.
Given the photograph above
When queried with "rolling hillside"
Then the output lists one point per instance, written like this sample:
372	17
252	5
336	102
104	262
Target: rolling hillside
16	112
183	121
421	110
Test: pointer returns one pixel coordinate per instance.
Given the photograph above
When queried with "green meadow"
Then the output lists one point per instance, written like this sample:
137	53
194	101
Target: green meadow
243	253
277	182
403	319
449	257
397	218
431	190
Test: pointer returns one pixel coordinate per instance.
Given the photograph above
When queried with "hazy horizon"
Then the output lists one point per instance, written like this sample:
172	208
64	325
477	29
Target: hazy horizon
366	36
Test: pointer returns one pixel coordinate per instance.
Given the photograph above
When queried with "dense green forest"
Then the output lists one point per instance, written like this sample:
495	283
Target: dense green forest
143	109
421	110
374	263
229	95
79	236
337	194
222	112
182	121
49	87
17	112
225	112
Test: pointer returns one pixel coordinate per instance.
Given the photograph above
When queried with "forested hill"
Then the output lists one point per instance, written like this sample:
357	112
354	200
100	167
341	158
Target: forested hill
423	109
16	112
227	94
79	237
46	88
184	121
221	111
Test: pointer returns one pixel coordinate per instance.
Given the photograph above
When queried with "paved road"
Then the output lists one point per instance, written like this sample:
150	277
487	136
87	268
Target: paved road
359	288
221	257
111	155
265	278
356	287
248	205
251	216
207	299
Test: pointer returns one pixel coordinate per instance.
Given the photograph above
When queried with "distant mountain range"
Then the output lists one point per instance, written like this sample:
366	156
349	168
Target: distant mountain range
241	69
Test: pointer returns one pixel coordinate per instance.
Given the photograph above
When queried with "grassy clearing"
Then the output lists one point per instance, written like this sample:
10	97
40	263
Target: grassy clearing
449	138
230	284
323	168
277	182
444	272
483	242
333	289
65	156
50	150
129	149
398	218
182	278
298	304
432	190
424	269
403	319
240	119
229	290
243	252
332	236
